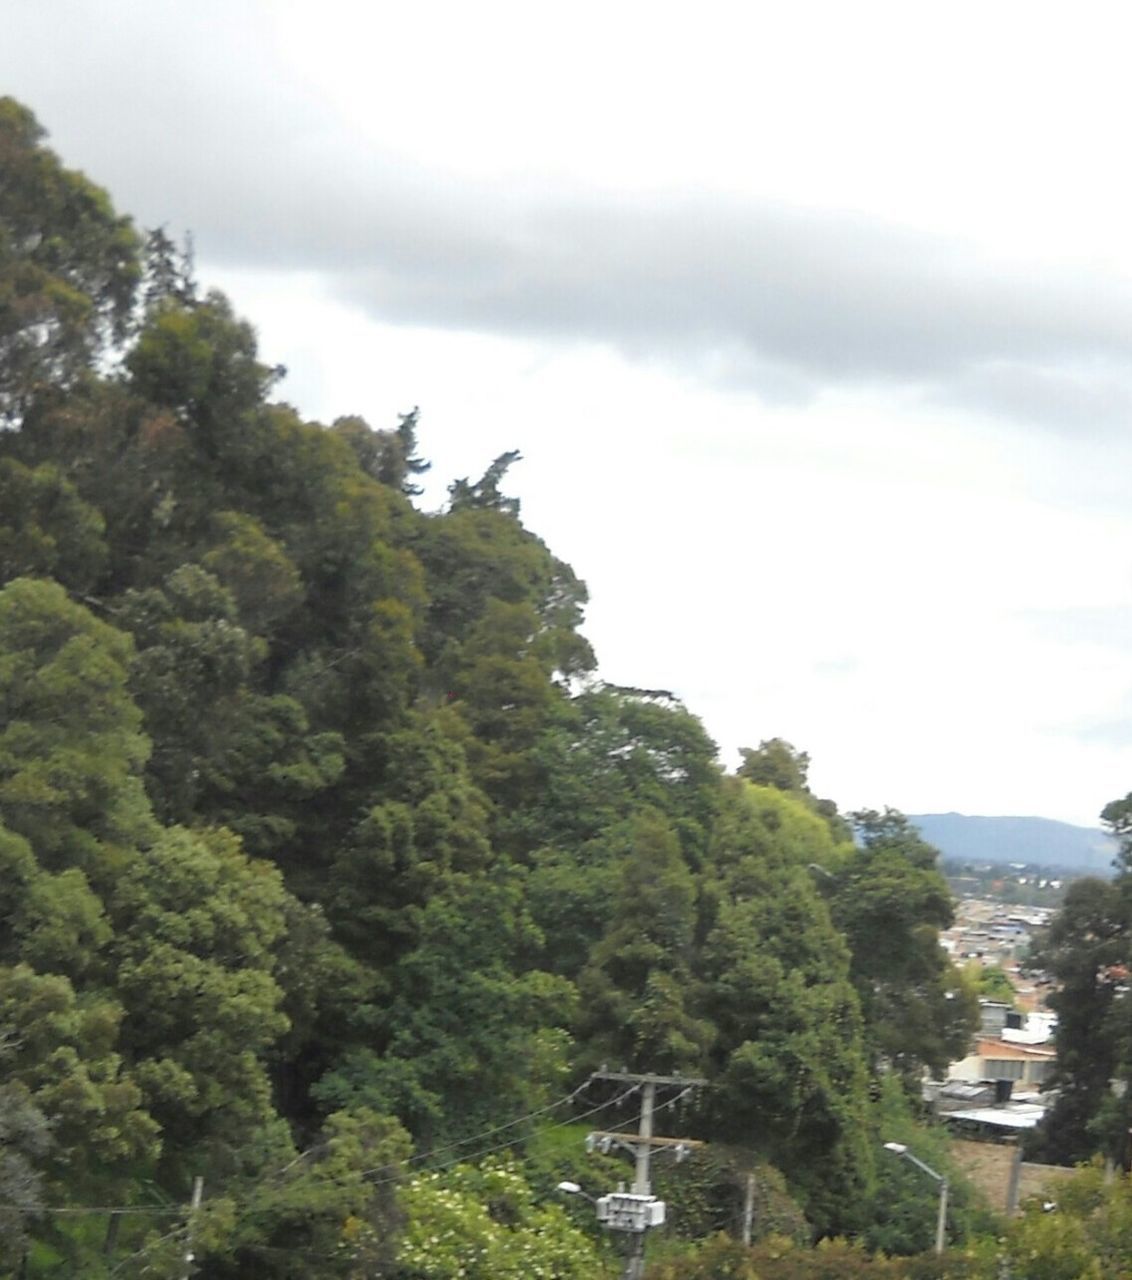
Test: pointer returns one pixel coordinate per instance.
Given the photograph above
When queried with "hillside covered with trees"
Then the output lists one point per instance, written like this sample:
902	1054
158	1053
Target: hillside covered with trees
331	868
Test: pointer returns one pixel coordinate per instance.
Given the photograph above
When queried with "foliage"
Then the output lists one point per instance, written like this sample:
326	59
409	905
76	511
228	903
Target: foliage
901	1217
1084	951
485	1224
70	740
788	1053
891	901
991	982
25	1139
68	269
319	836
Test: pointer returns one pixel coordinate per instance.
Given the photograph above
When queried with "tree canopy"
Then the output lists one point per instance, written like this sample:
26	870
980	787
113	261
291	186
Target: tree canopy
329	864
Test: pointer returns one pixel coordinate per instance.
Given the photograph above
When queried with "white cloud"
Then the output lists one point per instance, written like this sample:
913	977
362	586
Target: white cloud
593	238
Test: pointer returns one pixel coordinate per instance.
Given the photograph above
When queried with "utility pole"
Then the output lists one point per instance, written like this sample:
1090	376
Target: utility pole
198	1196
642	1151
749	1209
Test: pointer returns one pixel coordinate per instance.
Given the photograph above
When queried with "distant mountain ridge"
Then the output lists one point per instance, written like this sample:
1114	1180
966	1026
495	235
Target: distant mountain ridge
1037	840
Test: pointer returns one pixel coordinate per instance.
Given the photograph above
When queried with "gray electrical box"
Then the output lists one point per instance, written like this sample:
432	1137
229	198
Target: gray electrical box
624	1211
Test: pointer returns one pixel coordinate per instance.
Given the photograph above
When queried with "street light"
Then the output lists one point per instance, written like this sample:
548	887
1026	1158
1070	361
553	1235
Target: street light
572	1189
899	1149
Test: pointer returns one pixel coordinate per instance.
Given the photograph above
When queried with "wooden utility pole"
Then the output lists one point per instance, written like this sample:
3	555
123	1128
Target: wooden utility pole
642	1149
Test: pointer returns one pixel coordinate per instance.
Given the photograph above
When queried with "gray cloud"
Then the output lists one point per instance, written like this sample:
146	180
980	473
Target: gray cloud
191	123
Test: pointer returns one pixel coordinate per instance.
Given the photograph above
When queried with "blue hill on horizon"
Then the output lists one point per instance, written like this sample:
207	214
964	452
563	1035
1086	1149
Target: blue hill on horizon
1043	841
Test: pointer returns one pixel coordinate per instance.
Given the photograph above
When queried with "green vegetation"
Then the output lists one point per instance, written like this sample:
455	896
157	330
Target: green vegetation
329	869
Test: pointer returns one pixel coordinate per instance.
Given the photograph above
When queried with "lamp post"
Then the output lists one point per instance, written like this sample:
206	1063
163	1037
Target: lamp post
899	1149
572	1189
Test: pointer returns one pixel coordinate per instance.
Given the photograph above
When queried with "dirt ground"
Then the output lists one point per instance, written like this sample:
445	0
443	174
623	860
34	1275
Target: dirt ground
988	1165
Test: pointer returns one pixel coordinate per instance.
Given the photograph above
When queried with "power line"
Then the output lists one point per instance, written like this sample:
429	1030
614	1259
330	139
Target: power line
169	1235
100	1208
154	1211
628	1125
499	1128
486	1151
638	1210
428	1155
249	1192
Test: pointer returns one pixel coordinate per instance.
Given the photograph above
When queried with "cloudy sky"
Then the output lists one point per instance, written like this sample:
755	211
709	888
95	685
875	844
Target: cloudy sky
813	323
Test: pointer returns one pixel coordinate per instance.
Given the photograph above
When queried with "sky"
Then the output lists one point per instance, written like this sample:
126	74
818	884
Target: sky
812	323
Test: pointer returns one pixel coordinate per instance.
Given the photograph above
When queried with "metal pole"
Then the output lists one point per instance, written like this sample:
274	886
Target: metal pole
1014	1181
644	1144
635	1264
749	1209
941	1224
198	1195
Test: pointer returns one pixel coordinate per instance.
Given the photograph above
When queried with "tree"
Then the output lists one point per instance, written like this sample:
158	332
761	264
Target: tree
388	456
775	764
197	926
485	492
431	823
788	1057
222	752
25	1138
636	989
470	1034
71	747
69	268
66	1054
1117	817
486	1224
1085	951
331	1211
891	902
46	529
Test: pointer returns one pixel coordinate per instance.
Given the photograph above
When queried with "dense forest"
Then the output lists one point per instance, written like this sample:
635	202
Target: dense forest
332	870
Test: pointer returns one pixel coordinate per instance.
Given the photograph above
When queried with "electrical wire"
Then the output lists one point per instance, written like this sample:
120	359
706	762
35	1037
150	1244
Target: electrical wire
486	1151
365	1173
500	1128
461	1142
660	1106
169	1235
96	1208
249	1192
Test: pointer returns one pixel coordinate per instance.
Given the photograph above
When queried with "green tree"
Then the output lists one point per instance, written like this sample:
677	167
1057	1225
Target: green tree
471	1034
1084	951
71	748
69	268
777	763
66	1054
222	752
25	1139
388	456
486	1224
331	1211
46	529
635	990
788	1059
197	926
432	822
891	902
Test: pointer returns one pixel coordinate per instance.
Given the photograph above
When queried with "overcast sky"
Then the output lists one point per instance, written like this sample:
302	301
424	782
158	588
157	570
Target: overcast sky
813	323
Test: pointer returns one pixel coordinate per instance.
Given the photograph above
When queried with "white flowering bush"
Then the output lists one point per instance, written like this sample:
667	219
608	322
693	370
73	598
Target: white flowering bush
485	1224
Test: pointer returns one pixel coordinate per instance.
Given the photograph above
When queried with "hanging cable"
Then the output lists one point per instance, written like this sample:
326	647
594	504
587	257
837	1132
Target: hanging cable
486	1151
461	1142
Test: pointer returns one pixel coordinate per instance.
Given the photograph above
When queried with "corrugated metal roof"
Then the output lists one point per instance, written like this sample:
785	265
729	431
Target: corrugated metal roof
999	1117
